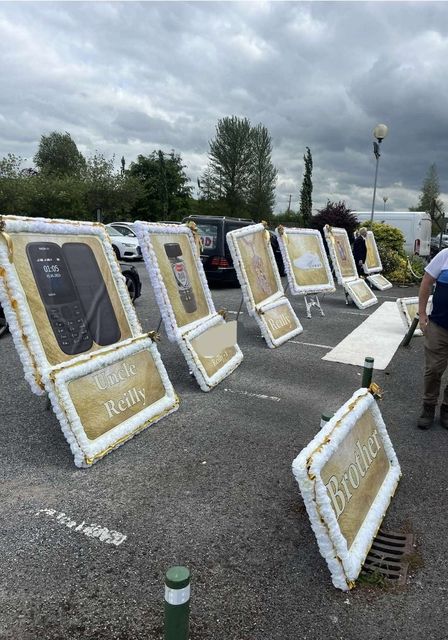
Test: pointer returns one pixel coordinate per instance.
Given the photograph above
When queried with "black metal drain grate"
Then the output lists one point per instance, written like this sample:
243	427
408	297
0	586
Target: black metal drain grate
388	556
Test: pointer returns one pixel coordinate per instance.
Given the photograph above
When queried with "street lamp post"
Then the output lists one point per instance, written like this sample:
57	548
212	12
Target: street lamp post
385	199
380	132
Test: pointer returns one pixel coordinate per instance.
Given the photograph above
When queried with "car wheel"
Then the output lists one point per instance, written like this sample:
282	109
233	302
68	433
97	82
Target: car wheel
117	253
131	285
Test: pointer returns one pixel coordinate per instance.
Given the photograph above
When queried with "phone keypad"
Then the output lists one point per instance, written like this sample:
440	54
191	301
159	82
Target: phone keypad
70	329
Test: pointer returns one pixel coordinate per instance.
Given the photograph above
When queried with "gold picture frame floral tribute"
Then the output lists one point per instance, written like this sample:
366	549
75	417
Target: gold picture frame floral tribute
360	292
345	268
261	286
305	260
373	265
347	476
379	282
68	306
408	308
172	259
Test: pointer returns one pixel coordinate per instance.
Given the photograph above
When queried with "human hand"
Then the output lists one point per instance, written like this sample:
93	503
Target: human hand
423	321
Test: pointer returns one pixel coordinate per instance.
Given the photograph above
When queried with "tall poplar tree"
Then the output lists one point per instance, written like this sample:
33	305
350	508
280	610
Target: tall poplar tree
231	160
430	192
306	191
261	196
240	174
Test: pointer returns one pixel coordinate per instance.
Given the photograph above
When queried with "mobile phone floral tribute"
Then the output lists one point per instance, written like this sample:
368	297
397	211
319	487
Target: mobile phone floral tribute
172	258
71	316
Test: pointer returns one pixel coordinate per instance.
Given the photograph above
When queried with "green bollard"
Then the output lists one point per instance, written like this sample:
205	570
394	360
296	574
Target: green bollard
367	372
325	417
177	603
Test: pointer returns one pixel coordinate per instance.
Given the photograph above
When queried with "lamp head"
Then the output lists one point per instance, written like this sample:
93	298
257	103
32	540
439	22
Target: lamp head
380	132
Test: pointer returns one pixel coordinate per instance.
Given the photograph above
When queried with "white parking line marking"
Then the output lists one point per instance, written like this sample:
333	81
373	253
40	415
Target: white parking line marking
109	536
311	344
254	395
356	313
235	313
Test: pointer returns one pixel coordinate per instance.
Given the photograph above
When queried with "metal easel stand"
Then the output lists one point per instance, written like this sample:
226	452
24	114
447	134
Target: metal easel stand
239	308
312	301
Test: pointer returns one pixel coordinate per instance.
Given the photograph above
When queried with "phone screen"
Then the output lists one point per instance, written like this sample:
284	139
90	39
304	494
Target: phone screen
51	273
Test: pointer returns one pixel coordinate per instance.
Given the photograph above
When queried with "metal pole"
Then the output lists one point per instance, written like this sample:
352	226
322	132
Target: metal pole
407	339
325	417
177	603
239	308
367	372
374	186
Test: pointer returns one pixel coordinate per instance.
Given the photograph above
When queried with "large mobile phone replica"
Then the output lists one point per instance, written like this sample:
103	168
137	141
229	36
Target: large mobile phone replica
98	310
60	297
174	253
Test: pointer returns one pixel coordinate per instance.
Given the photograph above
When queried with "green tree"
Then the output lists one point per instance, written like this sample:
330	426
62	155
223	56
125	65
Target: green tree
430	192
261	196
13	185
58	155
56	197
166	189
231	161
306	191
288	218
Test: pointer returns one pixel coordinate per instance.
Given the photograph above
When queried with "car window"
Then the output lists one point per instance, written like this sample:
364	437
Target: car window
113	232
126	231
209	235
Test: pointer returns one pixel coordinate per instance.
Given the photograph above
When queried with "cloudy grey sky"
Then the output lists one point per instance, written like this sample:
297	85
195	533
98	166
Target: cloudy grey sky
126	78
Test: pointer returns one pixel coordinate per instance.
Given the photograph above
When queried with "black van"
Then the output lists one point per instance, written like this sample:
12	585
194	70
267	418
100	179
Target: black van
215	255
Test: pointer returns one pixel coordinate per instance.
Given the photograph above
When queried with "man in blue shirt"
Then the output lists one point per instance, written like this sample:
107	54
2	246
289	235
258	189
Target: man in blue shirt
435	329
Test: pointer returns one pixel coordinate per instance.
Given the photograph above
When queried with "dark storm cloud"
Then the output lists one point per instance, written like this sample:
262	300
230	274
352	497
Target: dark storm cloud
128	78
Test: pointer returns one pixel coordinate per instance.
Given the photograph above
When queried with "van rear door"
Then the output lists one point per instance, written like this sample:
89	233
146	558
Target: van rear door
424	236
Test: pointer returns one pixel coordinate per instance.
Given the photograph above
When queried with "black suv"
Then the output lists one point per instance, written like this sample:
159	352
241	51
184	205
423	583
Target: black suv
215	254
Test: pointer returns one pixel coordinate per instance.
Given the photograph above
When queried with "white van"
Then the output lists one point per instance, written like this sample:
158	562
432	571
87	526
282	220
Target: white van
415	226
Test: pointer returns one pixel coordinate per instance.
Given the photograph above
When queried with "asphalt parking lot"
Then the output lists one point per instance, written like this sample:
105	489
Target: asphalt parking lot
211	487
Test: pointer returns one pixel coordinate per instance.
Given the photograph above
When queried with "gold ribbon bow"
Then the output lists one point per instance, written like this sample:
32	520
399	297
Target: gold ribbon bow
282	232
267	236
197	238
154	336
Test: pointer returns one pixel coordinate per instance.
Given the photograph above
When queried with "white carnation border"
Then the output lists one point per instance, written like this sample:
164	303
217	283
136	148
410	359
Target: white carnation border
85	451
205	381
373	279
13	298
329	232
402	304
344	564
347	284
264	328
379	268
295	288
184	334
